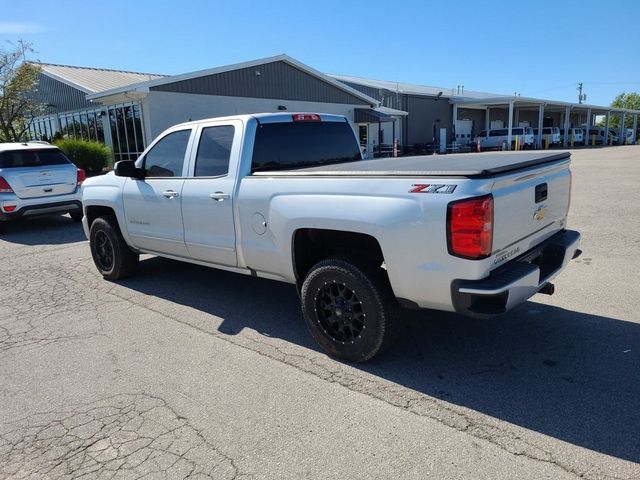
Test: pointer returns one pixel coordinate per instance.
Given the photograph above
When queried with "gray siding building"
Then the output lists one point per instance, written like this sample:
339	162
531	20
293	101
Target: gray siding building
126	110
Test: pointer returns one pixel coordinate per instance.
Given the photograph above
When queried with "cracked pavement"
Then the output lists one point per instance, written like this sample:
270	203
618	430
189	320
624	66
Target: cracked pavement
188	372
124	436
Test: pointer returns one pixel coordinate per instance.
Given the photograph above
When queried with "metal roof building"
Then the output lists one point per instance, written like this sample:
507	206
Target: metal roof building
424	105
127	110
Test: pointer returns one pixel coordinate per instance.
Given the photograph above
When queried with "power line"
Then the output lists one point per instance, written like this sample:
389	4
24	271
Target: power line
613	83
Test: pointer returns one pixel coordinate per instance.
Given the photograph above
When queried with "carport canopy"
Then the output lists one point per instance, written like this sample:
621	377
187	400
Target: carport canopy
528	103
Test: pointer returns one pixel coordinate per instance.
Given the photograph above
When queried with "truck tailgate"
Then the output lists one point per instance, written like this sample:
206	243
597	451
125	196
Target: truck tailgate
529	207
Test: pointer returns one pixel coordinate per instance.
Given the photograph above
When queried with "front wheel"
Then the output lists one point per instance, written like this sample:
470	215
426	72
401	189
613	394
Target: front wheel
347	308
111	254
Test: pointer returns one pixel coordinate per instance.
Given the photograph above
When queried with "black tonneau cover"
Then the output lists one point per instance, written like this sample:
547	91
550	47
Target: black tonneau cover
453	165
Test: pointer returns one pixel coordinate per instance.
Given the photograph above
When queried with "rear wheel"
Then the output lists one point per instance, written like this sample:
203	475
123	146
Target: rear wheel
347	308
111	254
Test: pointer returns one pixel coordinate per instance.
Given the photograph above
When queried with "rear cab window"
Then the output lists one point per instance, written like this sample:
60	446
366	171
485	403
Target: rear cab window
302	144
33	158
214	151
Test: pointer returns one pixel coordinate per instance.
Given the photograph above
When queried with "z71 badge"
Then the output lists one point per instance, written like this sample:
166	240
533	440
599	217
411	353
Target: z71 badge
438	188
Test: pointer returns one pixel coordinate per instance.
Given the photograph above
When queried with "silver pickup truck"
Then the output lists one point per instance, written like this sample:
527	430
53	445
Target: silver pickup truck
289	197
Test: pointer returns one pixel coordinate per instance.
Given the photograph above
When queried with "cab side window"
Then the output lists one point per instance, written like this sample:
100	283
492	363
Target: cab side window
166	158
214	151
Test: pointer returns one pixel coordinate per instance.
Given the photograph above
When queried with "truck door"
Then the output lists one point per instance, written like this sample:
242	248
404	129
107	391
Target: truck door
207	198
152	206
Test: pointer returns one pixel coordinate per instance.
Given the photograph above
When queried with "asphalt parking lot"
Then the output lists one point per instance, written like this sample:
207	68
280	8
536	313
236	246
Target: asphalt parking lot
183	371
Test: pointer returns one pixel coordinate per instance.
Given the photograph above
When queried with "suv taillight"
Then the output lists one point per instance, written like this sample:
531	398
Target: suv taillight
470	227
4	186
81	176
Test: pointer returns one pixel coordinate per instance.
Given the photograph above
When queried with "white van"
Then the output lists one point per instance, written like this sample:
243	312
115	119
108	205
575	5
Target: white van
495	138
599	134
552	134
576	132
630	138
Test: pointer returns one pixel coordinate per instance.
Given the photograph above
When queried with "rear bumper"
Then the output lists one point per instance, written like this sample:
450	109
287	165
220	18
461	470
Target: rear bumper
42	209
518	280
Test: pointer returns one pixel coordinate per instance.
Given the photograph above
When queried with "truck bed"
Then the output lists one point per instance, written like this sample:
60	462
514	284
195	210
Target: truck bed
453	165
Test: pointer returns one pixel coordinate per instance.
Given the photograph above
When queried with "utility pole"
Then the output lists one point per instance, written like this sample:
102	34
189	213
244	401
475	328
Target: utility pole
581	96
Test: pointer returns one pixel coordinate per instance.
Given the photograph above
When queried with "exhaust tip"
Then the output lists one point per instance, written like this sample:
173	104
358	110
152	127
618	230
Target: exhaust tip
547	289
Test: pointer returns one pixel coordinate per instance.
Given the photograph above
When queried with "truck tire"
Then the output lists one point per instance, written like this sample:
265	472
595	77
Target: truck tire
347	308
111	254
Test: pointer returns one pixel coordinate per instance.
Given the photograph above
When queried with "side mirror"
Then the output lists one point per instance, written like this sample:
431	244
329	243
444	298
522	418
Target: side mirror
127	168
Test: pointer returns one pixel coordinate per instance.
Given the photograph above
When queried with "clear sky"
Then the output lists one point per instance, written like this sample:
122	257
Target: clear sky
538	48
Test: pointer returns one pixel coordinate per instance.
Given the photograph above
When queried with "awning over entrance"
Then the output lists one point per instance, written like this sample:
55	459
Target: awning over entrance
377	115
366	115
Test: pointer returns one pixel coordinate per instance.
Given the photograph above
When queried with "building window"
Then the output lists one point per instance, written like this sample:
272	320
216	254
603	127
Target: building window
43	128
124	122
126	131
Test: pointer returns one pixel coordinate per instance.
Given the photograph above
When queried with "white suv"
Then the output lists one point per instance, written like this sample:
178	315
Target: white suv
36	178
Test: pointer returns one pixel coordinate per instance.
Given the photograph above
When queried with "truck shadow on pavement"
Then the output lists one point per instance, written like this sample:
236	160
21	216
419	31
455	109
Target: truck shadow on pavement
569	375
48	230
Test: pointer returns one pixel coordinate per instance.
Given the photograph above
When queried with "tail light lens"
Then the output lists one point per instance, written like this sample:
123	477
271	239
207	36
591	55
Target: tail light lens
470	227
4	186
81	176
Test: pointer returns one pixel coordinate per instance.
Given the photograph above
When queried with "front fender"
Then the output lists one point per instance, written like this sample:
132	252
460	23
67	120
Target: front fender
105	191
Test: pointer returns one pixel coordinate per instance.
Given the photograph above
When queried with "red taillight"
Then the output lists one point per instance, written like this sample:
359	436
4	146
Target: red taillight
8	208
305	117
470	227
4	186
81	176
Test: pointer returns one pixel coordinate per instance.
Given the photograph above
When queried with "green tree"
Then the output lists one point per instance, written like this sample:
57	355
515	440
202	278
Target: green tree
625	100
18	83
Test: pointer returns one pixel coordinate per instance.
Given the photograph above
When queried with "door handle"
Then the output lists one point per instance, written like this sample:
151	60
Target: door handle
170	193
219	196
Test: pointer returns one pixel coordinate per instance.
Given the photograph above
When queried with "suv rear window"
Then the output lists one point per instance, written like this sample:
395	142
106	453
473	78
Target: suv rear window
291	145
32	158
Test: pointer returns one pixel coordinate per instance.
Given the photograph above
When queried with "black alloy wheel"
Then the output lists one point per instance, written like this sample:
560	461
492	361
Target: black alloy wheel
104	251
111	254
339	312
347	308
